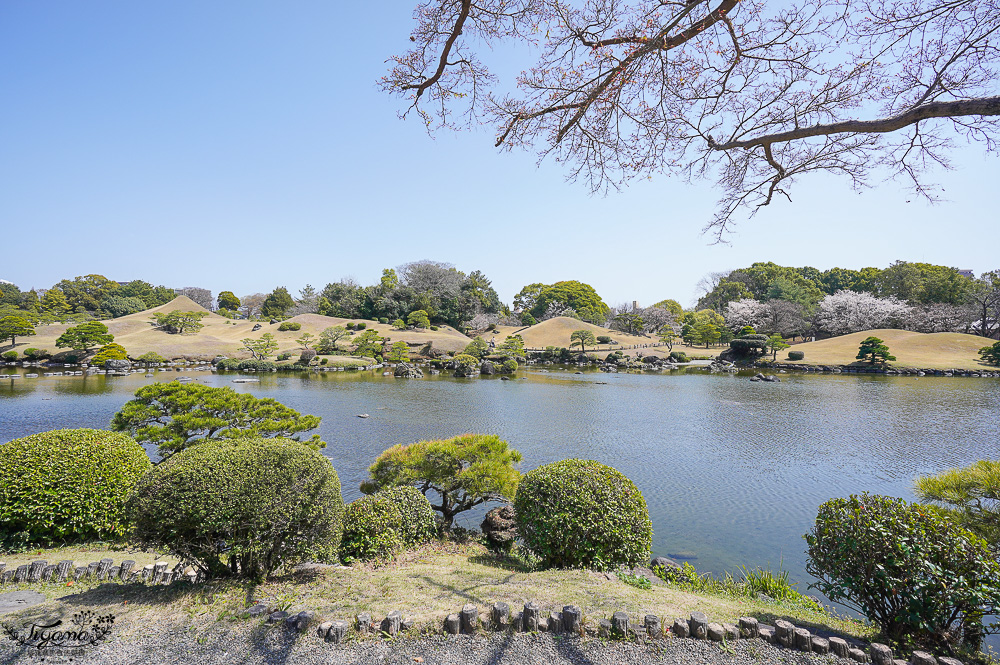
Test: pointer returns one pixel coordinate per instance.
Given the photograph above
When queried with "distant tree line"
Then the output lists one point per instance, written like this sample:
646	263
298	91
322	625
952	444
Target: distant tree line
805	301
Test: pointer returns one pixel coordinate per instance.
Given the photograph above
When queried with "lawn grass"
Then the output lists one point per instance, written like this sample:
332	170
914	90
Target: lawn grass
426	584
912	349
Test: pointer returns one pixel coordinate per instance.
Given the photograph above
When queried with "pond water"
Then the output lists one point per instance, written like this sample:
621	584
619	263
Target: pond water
733	471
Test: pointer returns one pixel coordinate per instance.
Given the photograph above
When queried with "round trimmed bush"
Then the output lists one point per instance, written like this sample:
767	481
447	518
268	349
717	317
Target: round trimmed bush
109	352
916	573
583	514
509	366
68	484
379	525
289	325
241	507
9	356
796	355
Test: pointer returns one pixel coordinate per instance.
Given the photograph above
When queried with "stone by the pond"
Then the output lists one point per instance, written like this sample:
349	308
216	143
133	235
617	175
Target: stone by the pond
698	623
881	654
18	600
749	627
500	615
839	647
681	628
572	619
784	633
820	645
663	562
922	658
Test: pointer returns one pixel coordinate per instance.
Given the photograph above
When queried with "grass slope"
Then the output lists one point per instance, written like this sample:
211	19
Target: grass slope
425	584
912	349
221	336
556	332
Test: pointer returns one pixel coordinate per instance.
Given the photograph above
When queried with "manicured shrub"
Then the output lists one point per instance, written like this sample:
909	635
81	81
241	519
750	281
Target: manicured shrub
528	319
109	352
241	507
379	525
151	357
434	328
324	361
509	366
360	326
796	355
349	325
399	324
257	365
922	578
68	484
9	356
306	356
989	354
583	514
383	320
680	356
603	339
36	354
289	325
284	355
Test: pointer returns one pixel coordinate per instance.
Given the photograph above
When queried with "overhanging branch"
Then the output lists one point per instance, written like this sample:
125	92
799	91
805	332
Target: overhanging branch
983	106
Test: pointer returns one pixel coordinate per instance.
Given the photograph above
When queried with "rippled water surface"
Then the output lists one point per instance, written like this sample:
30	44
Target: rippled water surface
733	471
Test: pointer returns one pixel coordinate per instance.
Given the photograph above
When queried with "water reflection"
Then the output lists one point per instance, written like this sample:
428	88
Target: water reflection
733	471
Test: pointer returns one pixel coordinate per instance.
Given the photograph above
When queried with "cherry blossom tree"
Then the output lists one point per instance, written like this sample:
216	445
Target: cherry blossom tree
752	95
846	312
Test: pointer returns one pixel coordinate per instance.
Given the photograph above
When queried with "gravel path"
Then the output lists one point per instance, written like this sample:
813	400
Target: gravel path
255	644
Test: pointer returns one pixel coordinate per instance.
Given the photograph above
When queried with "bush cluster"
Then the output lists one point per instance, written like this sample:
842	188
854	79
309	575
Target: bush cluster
151	357
241	507
68	484
583	514
796	355
603	339
379	525
289	325
680	356
235	364
434	328
922	578
32	353
360	326
108	352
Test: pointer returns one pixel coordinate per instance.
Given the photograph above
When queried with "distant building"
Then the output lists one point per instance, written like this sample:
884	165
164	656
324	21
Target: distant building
967	273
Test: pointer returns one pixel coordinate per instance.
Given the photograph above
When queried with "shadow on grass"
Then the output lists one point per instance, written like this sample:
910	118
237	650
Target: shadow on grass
815	627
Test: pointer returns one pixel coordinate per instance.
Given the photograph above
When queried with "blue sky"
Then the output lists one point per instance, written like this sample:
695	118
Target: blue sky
245	145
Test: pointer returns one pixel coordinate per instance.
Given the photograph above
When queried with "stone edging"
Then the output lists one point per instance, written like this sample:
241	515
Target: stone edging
530	619
570	622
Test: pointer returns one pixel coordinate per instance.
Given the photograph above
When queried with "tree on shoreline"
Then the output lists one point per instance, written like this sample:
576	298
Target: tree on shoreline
752	96
12	327
176	416
85	336
582	338
874	351
260	349
464	471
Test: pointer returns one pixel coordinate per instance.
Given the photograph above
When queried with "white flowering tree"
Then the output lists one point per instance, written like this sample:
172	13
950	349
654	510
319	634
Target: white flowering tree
747	312
846	312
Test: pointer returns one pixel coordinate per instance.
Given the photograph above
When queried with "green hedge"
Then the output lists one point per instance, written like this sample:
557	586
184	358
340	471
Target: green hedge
379	525
241	507
289	325
583	514
917	574
796	355
68	484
